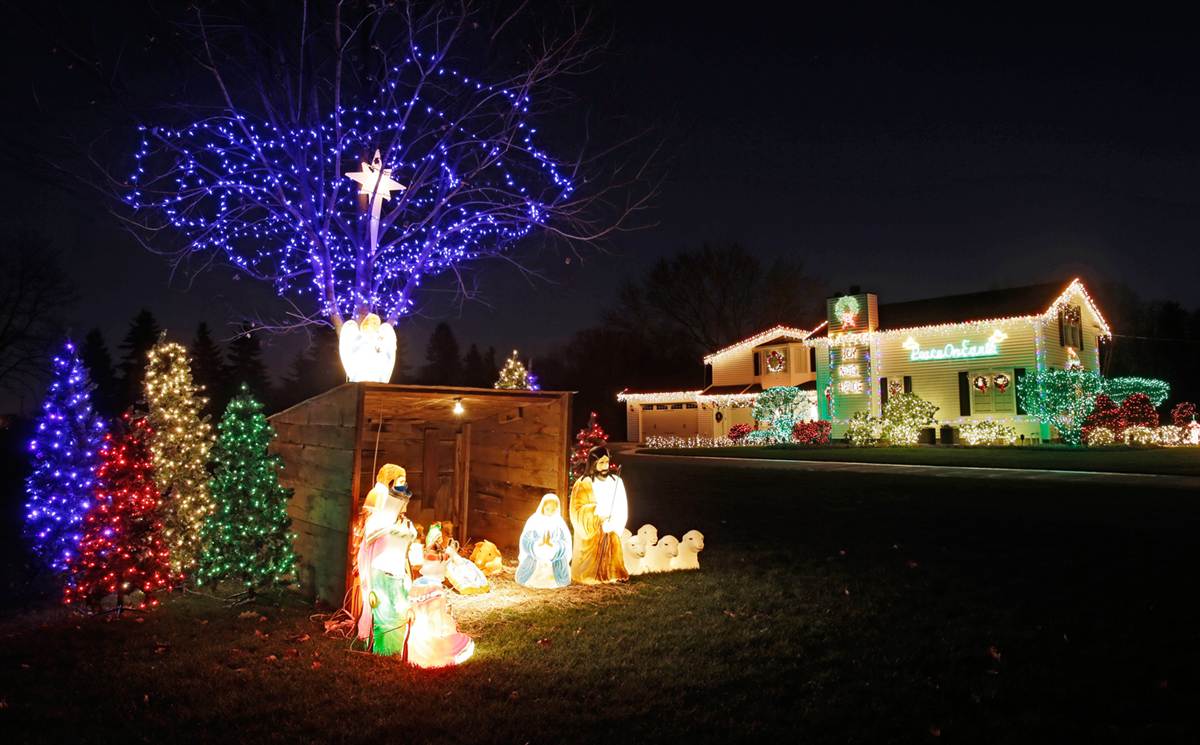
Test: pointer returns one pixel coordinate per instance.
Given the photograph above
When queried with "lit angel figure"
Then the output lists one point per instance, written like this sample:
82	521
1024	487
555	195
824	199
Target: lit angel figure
544	561
368	350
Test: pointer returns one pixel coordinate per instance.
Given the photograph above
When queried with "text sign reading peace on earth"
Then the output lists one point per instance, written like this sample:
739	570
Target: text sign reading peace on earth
964	350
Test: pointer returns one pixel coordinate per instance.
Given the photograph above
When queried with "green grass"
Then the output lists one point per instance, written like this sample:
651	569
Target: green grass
830	608
1169	461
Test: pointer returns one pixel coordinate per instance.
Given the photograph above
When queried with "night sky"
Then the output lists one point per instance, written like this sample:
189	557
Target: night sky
912	156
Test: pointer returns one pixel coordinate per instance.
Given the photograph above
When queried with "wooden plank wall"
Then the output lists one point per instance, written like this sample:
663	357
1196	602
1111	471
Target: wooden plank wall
430	470
316	440
512	464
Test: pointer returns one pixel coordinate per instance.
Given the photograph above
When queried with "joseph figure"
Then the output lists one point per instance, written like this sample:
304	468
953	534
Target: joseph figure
599	510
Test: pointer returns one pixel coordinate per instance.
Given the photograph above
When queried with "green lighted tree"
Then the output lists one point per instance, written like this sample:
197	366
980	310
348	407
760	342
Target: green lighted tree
247	539
776	408
1063	398
513	376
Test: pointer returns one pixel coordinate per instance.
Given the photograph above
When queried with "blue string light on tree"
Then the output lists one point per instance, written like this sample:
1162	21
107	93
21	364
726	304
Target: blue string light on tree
351	212
65	453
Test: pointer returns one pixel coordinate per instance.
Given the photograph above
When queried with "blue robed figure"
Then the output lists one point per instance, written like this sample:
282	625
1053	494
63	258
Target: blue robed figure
545	556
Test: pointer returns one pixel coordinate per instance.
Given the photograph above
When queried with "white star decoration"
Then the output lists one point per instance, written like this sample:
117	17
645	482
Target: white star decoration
374	179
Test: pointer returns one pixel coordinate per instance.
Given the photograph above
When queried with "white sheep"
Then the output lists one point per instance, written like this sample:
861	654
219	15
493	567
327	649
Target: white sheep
658	557
688	556
625	534
633	553
647	535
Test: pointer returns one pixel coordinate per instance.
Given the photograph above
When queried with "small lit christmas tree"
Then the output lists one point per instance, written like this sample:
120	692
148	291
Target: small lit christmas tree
122	551
1137	410
593	435
247	539
514	376
65	450
180	444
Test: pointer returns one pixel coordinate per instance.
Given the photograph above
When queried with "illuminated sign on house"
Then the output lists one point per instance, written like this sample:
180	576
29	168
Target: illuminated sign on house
966	349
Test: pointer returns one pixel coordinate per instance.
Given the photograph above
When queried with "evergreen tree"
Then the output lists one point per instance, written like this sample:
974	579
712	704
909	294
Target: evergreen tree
402	371
442	361
247	538
490	366
122	550
65	450
95	356
209	370
142	335
180	444
314	369
513	376
474	372
246	366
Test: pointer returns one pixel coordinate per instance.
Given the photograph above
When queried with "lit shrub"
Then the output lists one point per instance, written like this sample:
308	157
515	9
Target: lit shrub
904	416
1099	437
1142	437
986	432
864	430
811	433
739	431
1170	436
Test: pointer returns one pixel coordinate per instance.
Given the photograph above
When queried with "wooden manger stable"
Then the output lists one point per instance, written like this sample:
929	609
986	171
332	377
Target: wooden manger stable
483	470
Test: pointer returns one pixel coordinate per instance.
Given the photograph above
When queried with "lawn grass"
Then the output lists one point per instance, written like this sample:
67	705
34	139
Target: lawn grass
830	608
1167	461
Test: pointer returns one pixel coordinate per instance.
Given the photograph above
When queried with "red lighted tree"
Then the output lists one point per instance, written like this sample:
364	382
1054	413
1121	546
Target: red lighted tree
122	551
591	436
1138	411
1105	413
1183	414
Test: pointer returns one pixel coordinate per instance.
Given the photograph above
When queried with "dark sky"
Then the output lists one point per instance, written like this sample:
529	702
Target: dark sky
912	156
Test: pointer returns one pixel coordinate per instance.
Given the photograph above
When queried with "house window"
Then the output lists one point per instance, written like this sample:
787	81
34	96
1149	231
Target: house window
757	365
660	407
676	406
690	406
993	392
1070	324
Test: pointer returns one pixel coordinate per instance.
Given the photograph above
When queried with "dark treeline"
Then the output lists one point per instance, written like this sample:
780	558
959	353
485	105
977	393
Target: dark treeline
652	337
1153	339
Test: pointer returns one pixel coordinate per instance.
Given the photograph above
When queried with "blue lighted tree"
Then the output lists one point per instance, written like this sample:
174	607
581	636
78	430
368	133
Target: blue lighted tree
356	160
65	453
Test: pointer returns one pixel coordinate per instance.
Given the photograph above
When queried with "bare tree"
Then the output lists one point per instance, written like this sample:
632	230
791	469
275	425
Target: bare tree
710	297
33	296
451	168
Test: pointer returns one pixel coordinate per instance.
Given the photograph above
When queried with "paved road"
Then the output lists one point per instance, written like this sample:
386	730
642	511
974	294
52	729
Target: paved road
1154	481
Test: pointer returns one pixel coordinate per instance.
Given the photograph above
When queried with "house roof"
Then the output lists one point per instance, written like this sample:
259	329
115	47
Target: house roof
1012	302
728	390
1030	300
776	334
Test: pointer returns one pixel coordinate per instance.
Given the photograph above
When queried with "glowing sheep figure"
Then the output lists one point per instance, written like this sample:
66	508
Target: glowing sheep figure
633	553
648	536
658	557
688	556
